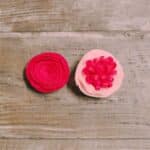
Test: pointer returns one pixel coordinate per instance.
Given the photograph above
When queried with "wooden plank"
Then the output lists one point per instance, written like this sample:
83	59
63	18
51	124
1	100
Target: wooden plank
12	144
74	15
67	113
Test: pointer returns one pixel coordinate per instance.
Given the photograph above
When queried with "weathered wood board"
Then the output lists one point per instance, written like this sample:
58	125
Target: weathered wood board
68	120
31	144
74	15
67	113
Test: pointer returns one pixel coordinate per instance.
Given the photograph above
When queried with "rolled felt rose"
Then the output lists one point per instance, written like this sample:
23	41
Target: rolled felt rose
47	72
99	74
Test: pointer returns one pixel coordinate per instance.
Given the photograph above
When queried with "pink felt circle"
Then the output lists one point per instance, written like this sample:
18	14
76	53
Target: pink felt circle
86	87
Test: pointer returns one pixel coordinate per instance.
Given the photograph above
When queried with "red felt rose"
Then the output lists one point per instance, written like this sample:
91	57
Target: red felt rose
47	72
100	72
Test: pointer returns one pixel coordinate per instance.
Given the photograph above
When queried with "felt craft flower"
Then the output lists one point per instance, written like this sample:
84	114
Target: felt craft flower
99	74
47	72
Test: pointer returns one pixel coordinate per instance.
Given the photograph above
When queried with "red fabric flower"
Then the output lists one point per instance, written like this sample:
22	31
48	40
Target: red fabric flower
100	72
47	72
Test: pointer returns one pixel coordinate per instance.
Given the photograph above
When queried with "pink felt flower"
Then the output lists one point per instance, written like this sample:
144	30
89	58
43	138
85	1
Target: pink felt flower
99	74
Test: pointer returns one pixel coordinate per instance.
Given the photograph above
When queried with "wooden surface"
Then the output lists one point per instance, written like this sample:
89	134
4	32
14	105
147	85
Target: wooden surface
67	120
74	15
14	144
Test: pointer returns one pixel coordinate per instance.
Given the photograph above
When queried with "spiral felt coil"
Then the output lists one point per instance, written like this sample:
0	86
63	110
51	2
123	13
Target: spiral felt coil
47	72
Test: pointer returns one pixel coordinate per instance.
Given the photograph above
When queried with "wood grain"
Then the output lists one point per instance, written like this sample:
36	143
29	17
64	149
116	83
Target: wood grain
12	144
74	15
68	120
67	113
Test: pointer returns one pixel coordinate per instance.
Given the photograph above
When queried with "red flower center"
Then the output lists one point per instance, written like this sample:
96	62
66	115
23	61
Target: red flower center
100	72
